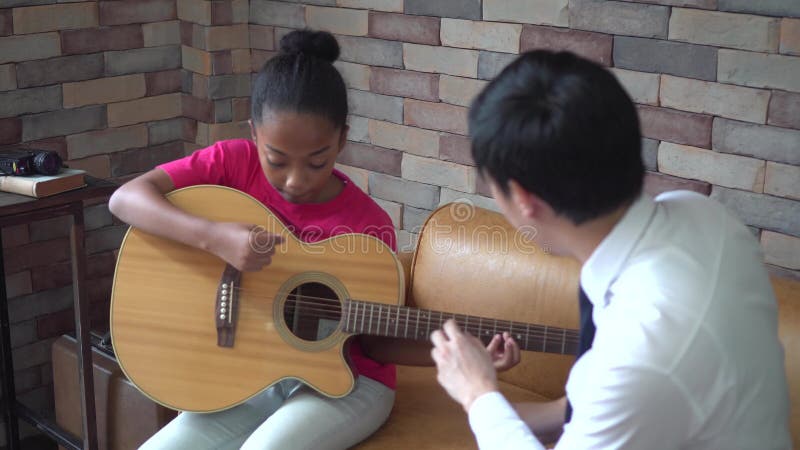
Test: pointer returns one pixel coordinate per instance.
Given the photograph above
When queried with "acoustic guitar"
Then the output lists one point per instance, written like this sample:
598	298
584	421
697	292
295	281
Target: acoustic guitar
194	334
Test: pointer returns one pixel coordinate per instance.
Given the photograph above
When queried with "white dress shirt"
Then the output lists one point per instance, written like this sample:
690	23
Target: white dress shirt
686	353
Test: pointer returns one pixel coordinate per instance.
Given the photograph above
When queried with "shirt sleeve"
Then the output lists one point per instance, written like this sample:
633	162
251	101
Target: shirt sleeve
497	426
205	166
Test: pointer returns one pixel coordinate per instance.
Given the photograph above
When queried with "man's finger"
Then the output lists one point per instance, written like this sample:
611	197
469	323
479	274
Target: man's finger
494	344
438	338
451	329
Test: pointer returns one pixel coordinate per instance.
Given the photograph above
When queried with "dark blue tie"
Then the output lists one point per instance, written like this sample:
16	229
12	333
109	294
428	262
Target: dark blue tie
586	335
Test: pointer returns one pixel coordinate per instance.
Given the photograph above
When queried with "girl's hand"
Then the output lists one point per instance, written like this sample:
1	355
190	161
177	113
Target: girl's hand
504	351
247	247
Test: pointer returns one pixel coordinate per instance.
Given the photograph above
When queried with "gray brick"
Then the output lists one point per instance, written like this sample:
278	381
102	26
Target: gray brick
29	47
105	239
223	110
759	70
375	106
277	13
179	128
29	101
57	227
59	70
226	86
780	8
674	58
30	306
762	211
490	64
650	153
63	122
23	333
414	218
762	141
459	9
373	52
12	3
619	18
411	193
32	354
702	4
135	161
370	157
97	216
152	59
313	2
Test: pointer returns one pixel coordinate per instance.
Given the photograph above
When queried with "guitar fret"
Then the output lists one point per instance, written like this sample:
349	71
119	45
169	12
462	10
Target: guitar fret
563	341
527	334
397	322
405	333
544	340
416	326
347	321
388	319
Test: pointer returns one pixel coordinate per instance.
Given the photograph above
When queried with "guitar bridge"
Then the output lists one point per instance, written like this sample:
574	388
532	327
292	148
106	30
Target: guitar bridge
227	307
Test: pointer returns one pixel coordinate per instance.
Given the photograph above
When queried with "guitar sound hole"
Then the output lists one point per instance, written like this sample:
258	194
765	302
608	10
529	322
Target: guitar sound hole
312	311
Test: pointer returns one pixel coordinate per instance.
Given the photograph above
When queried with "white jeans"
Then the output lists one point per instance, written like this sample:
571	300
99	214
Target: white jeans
287	416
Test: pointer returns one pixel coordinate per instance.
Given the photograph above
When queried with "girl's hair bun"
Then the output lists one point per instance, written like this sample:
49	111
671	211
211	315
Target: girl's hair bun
311	43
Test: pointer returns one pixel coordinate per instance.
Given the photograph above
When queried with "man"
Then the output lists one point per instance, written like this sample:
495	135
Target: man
686	353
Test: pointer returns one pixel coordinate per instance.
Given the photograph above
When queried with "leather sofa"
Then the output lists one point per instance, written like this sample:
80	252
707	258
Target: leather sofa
467	260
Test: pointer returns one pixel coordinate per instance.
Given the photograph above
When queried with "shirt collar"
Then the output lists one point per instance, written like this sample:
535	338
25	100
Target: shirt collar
607	260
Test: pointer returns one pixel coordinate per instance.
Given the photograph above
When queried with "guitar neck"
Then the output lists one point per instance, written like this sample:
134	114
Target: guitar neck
414	323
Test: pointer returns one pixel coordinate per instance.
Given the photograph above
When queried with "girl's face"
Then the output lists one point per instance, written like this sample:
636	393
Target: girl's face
297	153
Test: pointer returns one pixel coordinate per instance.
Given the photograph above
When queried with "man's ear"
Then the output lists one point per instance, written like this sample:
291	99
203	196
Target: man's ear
528	204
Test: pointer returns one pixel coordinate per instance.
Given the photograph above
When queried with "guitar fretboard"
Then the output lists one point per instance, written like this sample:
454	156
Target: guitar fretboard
414	323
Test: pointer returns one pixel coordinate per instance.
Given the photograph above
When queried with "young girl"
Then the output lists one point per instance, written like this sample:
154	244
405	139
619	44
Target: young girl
299	109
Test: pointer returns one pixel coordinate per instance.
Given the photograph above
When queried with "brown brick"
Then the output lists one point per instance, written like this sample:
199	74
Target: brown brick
97	166
221	13
10	130
141	11
109	140
399	27
39	19
104	90
656	183
594	46
165	82
59	70
241	60
405	83
199	86
377	159
148	59
241	108
197	108
18	284
455	148
144	110
675	126
101	39
198	61
259	57
226	86
6	22
15	235
227	37
221	63
231	130
162	33
163	131
36	254
142	160
784	110
262	37
194	11
54	144
435	116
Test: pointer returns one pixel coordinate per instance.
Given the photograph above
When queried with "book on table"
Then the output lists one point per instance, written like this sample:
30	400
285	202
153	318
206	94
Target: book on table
38	185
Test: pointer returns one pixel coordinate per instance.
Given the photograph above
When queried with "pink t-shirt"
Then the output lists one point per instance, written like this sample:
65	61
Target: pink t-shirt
235	164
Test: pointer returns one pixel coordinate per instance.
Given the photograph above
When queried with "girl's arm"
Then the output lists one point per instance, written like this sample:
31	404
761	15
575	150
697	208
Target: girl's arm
141	203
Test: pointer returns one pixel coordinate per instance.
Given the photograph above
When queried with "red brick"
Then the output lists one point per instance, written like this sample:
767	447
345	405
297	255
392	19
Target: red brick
656	183
435	116
15	235
6	19
141	11
594	46
675	126
187	33
36	254
455	148
784	110
221	63
405	83
241	109
221	13
163	82
101	39
10	130
399	27
197	108
377	159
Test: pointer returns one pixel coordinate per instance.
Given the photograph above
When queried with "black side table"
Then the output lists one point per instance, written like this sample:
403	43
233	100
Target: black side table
18	209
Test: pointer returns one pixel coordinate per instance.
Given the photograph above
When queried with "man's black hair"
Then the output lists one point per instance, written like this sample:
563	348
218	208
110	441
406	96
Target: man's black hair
301	78
564	129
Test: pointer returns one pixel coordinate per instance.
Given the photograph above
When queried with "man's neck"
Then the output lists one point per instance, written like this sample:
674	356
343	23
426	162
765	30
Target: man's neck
580	241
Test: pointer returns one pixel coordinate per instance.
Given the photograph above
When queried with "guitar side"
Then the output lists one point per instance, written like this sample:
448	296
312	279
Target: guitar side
163	309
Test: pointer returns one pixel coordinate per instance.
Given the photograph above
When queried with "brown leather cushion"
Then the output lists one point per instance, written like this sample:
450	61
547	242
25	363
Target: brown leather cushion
424	416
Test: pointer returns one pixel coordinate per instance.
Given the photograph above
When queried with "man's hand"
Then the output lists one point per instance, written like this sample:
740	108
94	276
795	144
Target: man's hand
465	367
504	351
247	247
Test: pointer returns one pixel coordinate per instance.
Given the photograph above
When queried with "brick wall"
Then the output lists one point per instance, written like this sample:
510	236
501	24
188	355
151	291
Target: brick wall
119	86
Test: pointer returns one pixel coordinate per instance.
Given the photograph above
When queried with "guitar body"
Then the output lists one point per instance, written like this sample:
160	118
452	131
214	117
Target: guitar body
164	309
